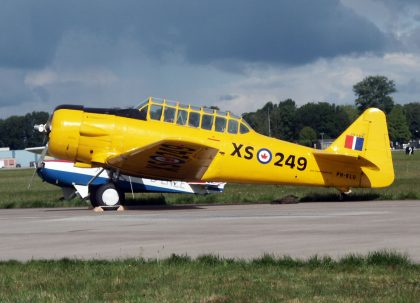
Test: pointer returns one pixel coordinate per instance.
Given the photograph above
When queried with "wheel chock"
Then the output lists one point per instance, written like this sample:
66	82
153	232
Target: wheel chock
99	209
120	208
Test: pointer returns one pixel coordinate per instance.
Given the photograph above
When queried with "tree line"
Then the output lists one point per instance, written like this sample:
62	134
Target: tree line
315	120
284	120
17	132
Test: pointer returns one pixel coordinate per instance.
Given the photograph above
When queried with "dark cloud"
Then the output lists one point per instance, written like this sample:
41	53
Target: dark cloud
12	91
41	93
411	87
228	97
399	3
413	39
29	34
248	31
286	32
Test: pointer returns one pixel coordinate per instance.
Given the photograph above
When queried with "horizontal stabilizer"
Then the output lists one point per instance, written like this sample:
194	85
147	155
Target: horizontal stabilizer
355	160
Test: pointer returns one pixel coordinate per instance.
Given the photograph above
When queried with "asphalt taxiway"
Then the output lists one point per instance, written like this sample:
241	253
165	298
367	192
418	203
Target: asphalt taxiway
239	231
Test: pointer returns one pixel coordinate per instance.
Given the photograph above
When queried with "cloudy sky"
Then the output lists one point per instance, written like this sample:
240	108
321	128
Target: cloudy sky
236	54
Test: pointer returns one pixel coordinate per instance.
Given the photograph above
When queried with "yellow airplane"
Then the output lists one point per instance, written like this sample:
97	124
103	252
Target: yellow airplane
163	139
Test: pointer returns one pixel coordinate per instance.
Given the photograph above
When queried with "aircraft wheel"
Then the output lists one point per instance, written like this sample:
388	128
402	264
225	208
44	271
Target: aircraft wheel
92	196
107	195
345	196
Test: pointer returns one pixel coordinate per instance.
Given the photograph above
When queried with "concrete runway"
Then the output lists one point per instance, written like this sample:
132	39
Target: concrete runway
243	231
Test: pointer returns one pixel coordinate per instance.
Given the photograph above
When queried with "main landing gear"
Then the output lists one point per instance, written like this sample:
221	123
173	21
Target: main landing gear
106	196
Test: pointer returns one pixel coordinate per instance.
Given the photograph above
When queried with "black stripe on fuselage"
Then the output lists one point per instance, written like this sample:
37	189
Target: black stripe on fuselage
131	113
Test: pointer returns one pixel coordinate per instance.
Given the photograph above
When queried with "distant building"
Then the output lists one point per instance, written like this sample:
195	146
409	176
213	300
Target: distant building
323	144
17	158
7	163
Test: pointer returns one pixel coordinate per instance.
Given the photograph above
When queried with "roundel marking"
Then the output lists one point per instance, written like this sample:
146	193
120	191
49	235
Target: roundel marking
168	160
264	156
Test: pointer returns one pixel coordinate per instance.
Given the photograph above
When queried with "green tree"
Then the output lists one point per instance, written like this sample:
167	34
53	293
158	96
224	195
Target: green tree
13	132
259	120
398	126
351	112
324	118
2	135
17	132
374	91
283	120
412	113
307	136
33	137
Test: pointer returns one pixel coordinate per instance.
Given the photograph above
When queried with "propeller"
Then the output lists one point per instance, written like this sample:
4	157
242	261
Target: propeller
42	128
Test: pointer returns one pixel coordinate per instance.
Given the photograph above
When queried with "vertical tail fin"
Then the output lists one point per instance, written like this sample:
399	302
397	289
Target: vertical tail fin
367	138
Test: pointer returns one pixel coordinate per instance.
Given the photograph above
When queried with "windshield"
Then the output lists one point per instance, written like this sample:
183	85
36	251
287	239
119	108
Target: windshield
142	103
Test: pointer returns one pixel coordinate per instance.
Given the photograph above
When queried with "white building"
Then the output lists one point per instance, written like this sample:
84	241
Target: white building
16	158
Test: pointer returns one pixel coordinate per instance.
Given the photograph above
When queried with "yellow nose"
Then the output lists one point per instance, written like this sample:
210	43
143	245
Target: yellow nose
64	136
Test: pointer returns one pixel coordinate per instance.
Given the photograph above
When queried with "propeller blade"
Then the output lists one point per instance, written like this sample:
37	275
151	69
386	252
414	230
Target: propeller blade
39	164
43	154
32	179
42	128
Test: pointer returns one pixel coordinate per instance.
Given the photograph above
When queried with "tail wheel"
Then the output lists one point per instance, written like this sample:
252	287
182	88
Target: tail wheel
106	195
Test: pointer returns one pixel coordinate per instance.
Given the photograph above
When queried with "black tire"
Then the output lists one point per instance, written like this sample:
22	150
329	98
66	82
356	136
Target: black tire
92	196
107	195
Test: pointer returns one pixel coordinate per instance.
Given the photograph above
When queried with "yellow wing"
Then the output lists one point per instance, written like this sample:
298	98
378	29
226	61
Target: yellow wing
167	159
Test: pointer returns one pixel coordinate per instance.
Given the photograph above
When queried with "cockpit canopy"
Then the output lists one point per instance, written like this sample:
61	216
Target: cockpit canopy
192	116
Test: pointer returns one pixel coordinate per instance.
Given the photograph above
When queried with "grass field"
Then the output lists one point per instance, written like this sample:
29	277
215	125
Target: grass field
379	277
14	192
